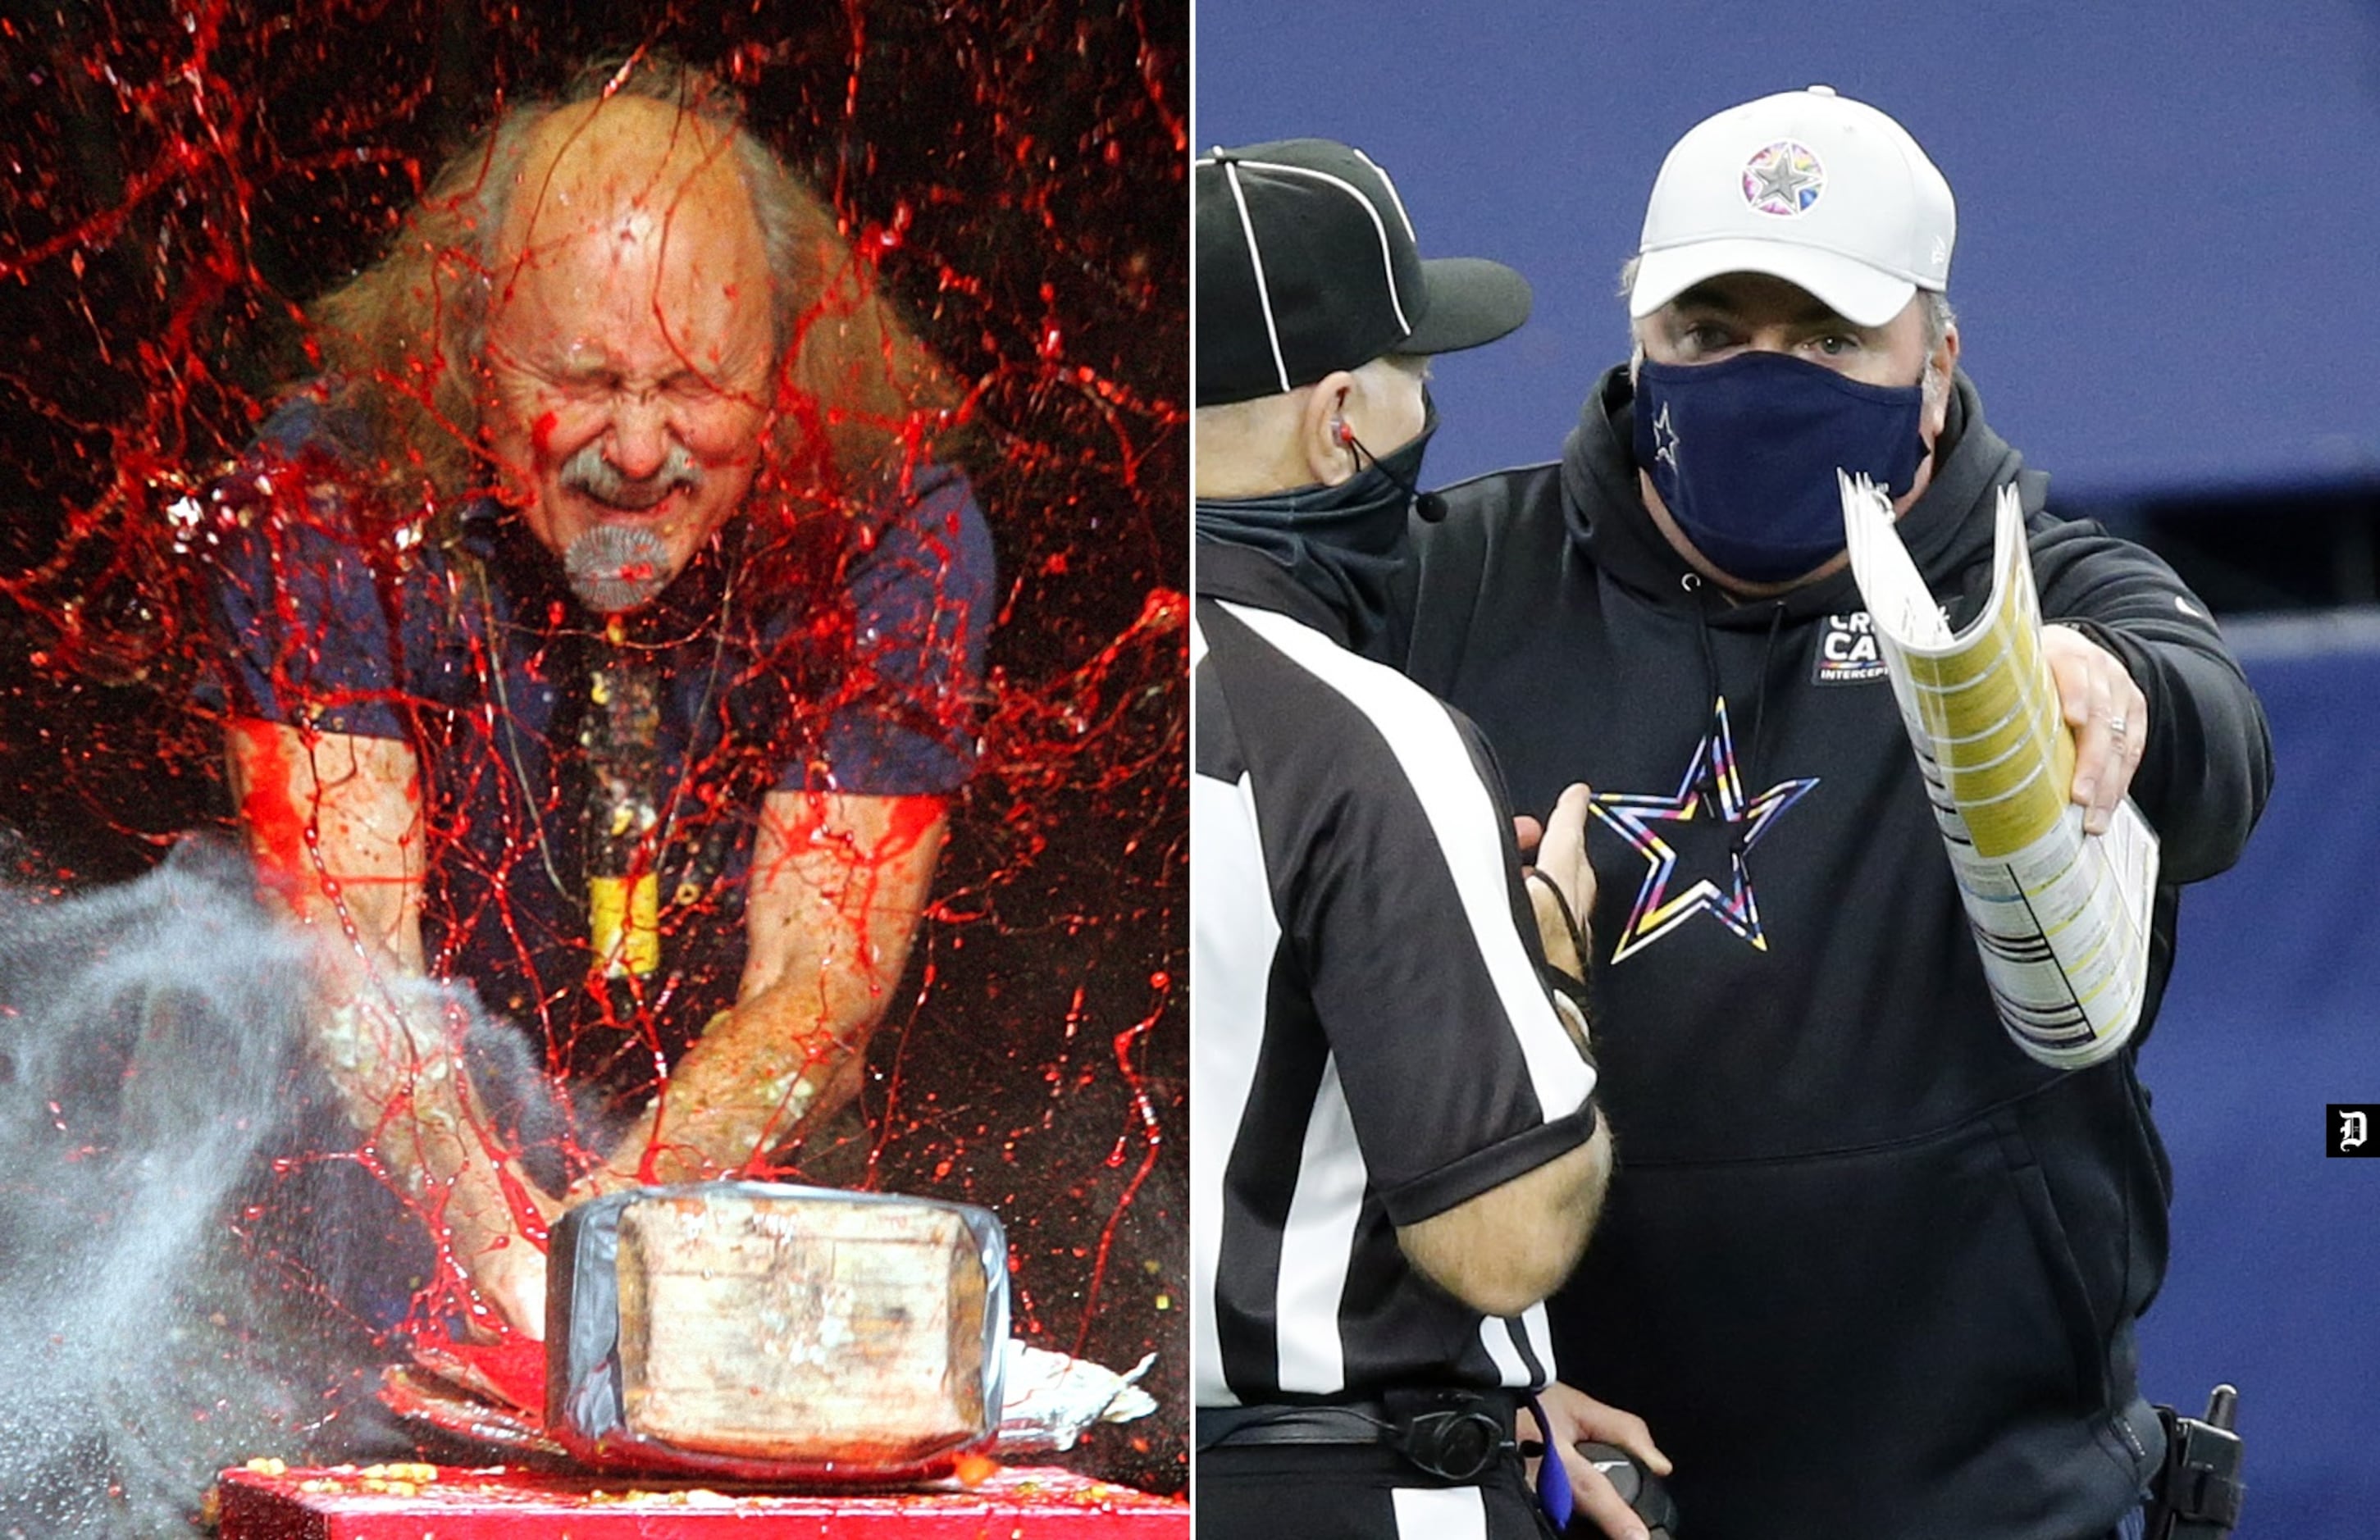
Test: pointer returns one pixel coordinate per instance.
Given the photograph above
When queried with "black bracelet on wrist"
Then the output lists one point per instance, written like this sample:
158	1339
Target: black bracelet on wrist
1560	981
1570	1005
1570	924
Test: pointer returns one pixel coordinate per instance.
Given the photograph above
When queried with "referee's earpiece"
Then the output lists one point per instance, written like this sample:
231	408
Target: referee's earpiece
1429	505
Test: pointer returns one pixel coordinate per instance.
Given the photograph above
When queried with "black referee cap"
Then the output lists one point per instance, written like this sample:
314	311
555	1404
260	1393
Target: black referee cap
1307	265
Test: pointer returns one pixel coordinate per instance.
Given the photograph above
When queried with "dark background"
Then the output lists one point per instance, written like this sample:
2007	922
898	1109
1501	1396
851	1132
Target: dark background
2165	278
176	179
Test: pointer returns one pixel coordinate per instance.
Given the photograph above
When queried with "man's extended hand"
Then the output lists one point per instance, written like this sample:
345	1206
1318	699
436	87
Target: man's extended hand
2109	715
1558	848
497	1220
508	1278
1579	1418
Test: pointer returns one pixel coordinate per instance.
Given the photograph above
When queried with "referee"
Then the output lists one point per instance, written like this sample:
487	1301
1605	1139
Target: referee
1394	1152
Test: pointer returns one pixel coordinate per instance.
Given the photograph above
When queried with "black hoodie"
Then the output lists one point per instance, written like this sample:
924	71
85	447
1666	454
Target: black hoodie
1868	1270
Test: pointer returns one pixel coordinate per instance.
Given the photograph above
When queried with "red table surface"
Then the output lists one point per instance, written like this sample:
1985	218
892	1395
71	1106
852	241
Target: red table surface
499	1503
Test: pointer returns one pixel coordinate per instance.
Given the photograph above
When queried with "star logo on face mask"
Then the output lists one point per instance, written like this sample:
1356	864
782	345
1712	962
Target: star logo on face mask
1694	843
1665	438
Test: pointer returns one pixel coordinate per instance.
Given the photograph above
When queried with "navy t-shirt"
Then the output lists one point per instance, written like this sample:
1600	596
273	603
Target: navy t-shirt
835	653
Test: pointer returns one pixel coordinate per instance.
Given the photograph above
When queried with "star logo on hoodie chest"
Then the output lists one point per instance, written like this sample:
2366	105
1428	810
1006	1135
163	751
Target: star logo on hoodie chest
1694	841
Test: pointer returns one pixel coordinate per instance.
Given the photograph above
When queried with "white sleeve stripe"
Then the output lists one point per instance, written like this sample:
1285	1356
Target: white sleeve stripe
1438	766
1541	1339
1496	1336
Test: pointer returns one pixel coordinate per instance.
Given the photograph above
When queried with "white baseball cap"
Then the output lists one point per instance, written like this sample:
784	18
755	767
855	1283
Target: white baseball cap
1806	185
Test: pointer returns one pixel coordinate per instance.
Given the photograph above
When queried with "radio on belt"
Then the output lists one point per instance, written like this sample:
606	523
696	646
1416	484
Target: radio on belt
761	1332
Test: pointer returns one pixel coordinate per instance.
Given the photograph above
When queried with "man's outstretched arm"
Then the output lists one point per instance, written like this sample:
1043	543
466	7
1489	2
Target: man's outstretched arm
335	821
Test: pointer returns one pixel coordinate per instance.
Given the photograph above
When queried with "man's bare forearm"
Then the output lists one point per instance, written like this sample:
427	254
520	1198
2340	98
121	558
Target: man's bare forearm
760	1073
1514	1244
334	822
394	1054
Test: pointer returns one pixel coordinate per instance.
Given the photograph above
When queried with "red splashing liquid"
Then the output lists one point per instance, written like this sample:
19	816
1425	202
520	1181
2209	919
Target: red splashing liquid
180	187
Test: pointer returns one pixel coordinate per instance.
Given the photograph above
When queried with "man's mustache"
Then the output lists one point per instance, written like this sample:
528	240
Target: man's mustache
588	471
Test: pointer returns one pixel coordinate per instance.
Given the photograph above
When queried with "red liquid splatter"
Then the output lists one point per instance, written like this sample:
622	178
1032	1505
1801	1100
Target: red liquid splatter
179	187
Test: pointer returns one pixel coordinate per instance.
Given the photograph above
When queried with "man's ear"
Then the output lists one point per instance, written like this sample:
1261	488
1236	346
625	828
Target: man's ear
1939	369
1322	432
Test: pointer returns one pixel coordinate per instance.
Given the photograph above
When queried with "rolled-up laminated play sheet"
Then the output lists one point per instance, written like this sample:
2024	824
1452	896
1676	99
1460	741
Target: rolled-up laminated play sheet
2060	918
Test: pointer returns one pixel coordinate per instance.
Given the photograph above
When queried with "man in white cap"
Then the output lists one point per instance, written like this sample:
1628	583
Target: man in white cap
1870	1269
1394	1155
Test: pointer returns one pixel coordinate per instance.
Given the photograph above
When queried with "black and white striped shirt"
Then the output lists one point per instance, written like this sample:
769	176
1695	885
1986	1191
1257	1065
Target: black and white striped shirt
1371	1041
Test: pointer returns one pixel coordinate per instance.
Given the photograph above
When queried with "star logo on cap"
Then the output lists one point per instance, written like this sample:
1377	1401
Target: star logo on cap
1784	178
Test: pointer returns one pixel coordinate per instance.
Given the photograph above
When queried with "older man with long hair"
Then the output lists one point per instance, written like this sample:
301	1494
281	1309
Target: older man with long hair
603	633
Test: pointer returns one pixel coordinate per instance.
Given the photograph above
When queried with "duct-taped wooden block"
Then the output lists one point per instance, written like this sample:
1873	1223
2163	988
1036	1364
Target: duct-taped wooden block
800	1329
774	1332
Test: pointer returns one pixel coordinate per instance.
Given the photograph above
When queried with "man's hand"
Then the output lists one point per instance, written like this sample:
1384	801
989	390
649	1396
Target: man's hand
1578	1418
494	1221
2109	715
508	1278
1559	847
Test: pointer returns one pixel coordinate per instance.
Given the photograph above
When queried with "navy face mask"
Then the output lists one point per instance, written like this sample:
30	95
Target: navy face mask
1343	544
1744	453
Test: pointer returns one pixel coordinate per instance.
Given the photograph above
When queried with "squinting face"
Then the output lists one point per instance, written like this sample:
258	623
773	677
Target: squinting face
629	343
